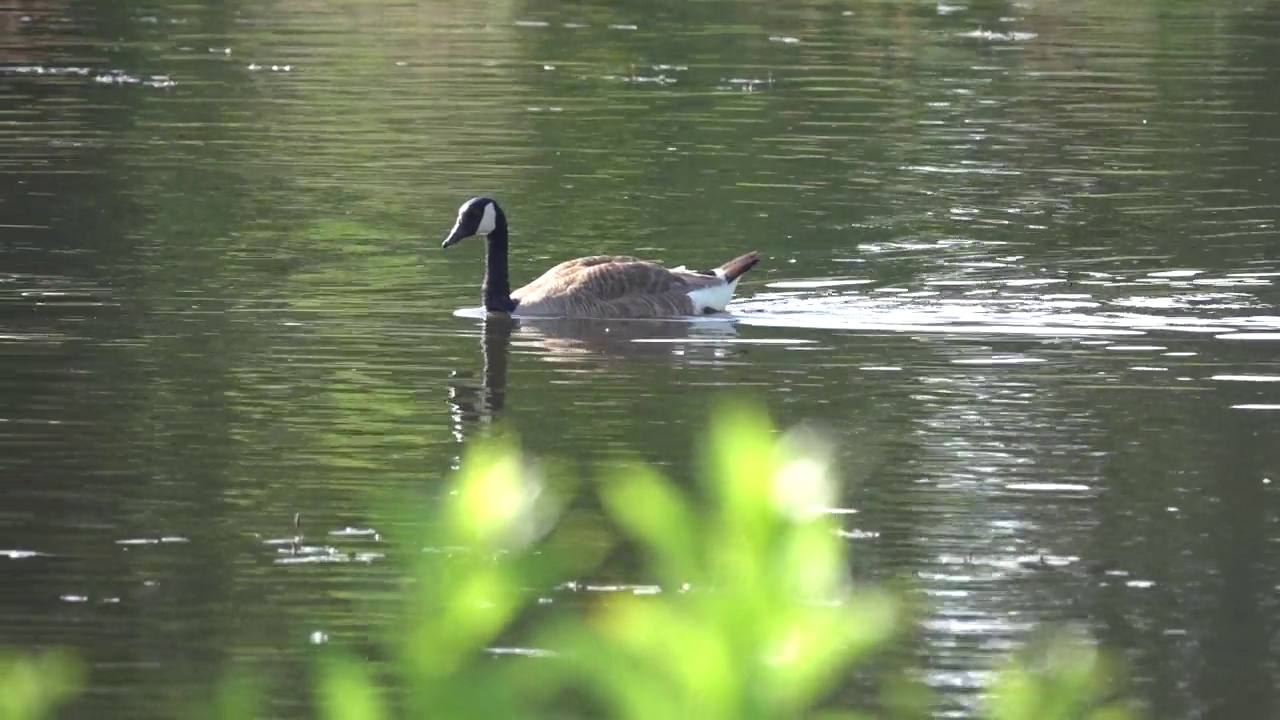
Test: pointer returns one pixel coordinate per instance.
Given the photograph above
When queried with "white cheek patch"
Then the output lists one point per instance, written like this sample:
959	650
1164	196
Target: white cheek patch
488	221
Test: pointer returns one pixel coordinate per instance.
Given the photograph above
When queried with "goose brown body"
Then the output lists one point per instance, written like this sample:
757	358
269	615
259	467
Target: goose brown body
619	286
599	286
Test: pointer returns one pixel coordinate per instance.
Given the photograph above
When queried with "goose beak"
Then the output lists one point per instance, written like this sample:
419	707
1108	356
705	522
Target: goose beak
456	236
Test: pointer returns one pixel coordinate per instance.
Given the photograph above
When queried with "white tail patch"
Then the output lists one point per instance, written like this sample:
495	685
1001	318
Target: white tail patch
713	298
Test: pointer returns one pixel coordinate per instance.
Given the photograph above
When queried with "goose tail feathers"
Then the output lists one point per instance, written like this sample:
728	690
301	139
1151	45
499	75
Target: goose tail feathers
738	266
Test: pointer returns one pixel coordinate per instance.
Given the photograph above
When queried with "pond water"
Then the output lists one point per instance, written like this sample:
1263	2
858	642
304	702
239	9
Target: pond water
1020	261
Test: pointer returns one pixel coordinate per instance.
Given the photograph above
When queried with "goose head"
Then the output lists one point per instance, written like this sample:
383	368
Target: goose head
477	216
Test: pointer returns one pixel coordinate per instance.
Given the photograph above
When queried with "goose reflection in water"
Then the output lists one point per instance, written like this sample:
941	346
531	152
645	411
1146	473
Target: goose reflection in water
479	401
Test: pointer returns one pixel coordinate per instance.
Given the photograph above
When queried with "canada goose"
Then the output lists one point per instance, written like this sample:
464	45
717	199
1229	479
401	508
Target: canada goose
599	286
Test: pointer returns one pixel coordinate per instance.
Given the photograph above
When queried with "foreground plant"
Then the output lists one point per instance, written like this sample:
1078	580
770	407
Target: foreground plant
754	615
758	617
32	686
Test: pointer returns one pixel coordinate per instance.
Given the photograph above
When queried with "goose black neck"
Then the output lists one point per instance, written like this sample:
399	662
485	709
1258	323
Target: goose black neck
497	284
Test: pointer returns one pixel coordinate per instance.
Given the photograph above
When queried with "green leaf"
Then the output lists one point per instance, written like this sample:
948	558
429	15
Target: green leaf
500	501
1059	676
32	687
239	696
348	691
650	509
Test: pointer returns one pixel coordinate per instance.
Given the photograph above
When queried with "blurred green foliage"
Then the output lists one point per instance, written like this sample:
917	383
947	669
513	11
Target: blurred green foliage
32	686
753	613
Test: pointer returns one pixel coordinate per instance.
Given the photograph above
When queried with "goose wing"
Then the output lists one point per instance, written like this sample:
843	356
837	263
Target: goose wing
603	278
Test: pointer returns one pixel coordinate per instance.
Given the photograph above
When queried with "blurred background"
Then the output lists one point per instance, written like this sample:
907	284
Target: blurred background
1019	262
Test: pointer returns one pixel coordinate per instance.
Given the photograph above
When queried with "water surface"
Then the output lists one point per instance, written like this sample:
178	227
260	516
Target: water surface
1019	261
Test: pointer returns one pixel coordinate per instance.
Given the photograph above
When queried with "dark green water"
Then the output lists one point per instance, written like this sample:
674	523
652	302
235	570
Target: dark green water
1020	261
